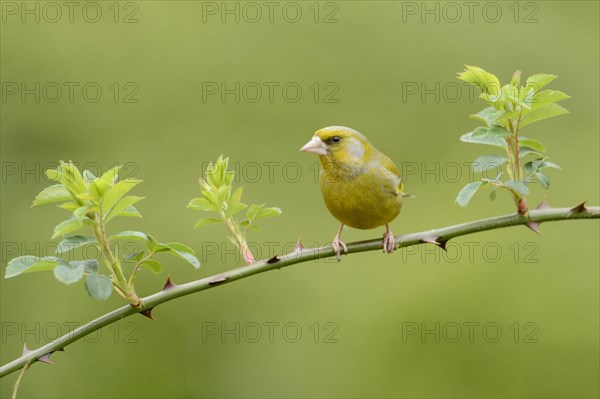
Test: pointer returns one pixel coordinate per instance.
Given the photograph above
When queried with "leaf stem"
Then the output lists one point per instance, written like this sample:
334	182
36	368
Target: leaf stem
18	382
510	165
516	149
239	238
136	269
120	282
521	201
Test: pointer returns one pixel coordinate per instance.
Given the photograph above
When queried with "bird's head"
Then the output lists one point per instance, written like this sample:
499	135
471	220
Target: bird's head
340	145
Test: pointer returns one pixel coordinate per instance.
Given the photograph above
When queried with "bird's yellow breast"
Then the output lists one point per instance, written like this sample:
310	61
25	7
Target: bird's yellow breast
361	196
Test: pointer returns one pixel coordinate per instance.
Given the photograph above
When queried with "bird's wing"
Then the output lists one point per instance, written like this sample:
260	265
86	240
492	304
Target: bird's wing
391	167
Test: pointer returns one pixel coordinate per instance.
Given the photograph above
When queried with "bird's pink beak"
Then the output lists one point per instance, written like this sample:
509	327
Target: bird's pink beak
316	146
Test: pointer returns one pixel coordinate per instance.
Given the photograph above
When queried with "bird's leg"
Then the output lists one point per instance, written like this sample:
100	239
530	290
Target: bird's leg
388	240
337	243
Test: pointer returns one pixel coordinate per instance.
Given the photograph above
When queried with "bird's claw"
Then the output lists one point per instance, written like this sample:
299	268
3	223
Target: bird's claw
389	244
337	244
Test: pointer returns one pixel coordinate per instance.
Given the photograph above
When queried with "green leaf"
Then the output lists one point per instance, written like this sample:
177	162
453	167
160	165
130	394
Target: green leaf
89	176
523	151
135	257
213	175
54	193
486	81
184	252
516	79
132	235
69	206
256	212
488	115
252	211
547	164
235	208
229	176
533	166
543	112
223	195
73	242
507	115
535	145
112	175
207	221
82	212
534	169
53	174
467	192
212	197
518	187
224	173
507	93
529	168
202	204
153	265
268	212
538	81
547	97
130	211
29	264
98	286
66	227
116	192
485	162
71	178
493	131
150	242
97	189
526	96
483	139
236	197
120	206
68	274
89	265
543	179
153	245
85	196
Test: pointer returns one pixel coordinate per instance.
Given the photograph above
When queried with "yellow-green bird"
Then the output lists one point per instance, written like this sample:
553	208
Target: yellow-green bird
362	187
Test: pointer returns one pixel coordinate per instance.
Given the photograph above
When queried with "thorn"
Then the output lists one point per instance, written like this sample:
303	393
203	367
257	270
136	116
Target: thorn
45	358
534	226
543	204
148	313
274	259
218	280
443	245
26	350
579	208
436	241
169	284
298	247
430	240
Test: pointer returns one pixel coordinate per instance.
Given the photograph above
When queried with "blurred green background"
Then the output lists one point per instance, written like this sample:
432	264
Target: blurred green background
364	56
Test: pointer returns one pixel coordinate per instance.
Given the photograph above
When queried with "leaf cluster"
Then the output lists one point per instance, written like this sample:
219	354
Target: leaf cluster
219	197
93	202
511	107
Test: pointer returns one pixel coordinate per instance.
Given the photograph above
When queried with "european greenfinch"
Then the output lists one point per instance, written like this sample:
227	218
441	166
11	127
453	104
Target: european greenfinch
362	187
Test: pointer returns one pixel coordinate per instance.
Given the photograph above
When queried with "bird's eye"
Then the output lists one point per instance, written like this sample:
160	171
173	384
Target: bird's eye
336	139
